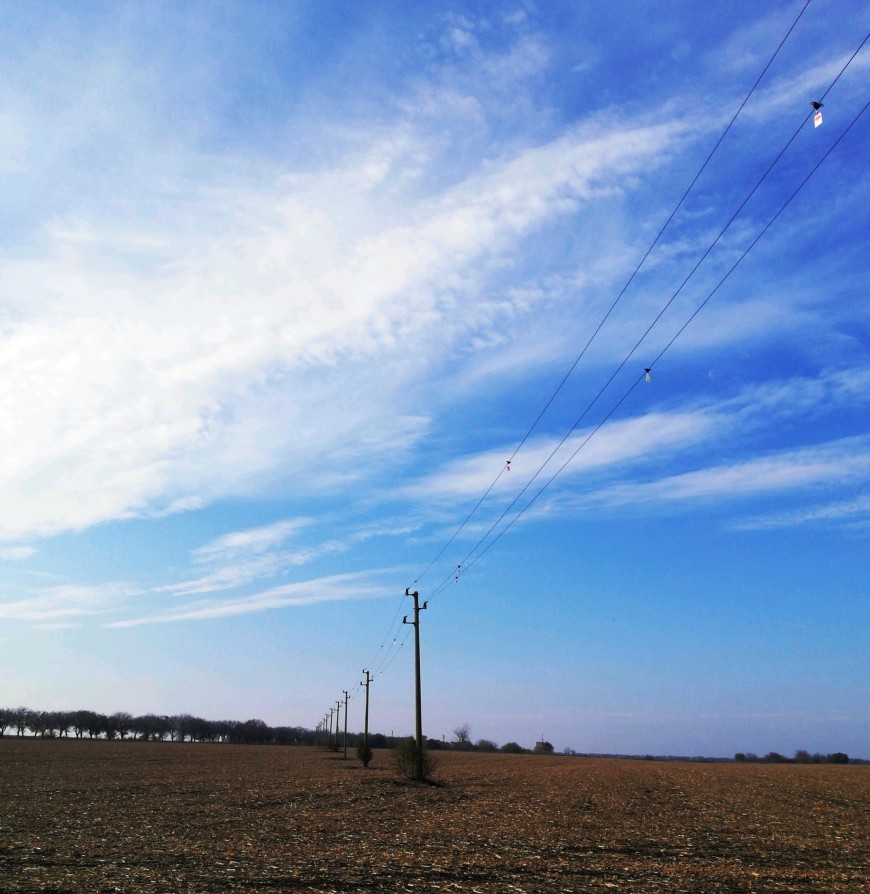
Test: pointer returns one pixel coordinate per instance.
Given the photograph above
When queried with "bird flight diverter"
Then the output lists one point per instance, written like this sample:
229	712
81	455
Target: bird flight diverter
817	118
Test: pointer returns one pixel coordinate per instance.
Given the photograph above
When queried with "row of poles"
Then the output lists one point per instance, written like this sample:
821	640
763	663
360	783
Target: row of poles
325	727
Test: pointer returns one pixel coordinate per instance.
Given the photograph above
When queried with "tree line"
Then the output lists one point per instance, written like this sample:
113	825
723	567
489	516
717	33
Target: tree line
188	728
148	727
179	728
801	756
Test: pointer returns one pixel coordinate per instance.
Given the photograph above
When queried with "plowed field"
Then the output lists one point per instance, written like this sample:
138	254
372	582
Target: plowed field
130	816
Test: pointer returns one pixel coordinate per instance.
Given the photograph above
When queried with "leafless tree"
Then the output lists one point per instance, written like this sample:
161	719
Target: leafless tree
462	736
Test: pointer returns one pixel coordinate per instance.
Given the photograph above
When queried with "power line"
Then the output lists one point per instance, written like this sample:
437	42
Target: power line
660	232
661	312
390	655
594	335
679	332
618	297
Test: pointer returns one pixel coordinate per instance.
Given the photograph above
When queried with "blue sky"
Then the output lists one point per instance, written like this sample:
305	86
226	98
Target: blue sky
283	287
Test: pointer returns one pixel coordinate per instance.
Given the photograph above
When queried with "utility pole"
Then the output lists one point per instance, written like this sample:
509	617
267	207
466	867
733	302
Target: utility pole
329	737
418	768
346	697
337	718
368	681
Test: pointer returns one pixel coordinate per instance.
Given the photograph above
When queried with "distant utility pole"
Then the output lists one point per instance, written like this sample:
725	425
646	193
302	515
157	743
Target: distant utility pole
367	683
346	697
418	764
337	719
329	737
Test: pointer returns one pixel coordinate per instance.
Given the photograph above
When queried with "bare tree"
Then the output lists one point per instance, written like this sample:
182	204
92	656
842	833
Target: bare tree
37	723
463	736
20	718
122	723
97	723
80	721
55	721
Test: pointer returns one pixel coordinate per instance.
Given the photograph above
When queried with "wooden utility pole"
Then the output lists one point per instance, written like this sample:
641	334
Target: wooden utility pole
346	697
418	763
367	682
337	719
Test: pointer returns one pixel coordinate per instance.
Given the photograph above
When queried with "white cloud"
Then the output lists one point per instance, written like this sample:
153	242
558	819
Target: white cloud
251	540
854	511
620	443
146	364
199	331
627	452
326	589
841	462
16	553
258	554
57	603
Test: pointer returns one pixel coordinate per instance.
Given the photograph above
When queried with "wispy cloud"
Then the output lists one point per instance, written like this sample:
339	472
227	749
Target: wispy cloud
719	443
260	554
841	462
148	354
623	442
852	512
56	603
144	378
251	541
16	553
333	588
236	562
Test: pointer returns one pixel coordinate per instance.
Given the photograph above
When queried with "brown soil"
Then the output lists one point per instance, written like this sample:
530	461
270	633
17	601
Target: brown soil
130	816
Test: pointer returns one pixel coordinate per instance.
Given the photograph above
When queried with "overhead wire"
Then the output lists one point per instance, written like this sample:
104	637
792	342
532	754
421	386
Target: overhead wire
622	291
659	234
673	339
380	654
387	658
468	557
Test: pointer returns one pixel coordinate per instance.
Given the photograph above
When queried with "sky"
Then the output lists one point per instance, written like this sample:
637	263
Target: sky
285	286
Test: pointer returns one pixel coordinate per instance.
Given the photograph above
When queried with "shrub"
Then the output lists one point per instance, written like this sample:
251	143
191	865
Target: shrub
405	757
364	753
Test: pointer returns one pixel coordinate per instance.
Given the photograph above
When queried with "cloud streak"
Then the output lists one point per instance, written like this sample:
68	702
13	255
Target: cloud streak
844	462
131	389
66	602
333	588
